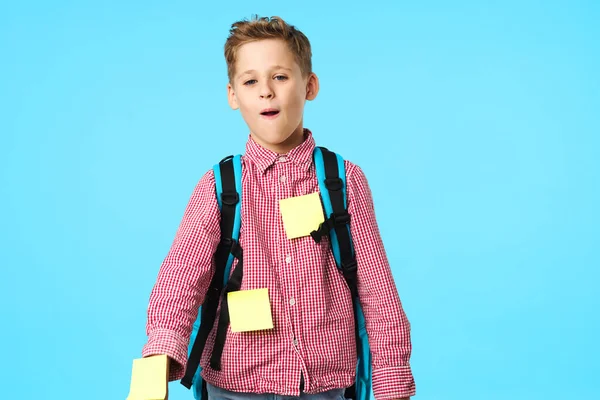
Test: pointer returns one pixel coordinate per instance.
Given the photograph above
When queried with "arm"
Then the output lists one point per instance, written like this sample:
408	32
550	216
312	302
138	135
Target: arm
388	328
183	279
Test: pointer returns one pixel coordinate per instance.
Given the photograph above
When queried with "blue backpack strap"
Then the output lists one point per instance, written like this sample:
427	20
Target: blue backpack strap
228	188
331	175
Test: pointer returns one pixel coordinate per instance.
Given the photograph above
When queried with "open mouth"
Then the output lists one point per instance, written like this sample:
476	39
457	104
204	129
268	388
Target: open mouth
269	113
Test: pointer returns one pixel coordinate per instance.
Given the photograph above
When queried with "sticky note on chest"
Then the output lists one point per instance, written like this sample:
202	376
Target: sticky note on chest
149	378
301	215
249	310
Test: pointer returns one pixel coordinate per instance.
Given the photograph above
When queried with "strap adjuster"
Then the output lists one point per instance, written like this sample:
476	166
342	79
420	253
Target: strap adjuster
334	184
236	250
349	267
231	246
342	218
226	242
336	219
231	198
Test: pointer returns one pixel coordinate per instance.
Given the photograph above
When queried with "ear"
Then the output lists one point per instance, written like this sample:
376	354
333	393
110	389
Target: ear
312	86
231	98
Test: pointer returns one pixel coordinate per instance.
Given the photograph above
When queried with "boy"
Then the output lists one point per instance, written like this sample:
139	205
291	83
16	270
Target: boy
311	350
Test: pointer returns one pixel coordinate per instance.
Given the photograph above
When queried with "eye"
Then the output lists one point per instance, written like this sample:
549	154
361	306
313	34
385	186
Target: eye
281	77
250	82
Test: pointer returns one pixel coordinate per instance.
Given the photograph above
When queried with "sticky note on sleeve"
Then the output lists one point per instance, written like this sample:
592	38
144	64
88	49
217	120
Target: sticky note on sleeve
149	378
301	215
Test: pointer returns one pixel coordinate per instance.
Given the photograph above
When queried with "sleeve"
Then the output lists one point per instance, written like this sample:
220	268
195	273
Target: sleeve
388	329
183	279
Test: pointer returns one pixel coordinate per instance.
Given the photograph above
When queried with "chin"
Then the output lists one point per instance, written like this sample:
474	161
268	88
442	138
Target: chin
275	140
274	137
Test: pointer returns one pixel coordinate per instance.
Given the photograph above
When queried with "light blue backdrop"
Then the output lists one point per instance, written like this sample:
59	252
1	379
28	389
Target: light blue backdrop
476	124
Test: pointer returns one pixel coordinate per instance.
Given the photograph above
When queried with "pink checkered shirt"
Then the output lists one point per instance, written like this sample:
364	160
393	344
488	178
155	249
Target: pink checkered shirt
311	305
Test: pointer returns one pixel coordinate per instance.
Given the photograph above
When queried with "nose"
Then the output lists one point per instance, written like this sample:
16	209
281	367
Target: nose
266	92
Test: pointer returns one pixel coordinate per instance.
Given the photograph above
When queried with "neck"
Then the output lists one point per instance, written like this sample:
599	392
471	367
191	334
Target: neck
295	139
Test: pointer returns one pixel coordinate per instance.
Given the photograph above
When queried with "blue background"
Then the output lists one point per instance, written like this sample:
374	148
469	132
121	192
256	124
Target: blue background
476	124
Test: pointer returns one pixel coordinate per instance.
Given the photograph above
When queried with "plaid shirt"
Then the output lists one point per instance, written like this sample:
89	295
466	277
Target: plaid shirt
311	305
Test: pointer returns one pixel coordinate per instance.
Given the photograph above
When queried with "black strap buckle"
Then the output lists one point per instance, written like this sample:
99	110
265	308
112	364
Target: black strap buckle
334	184
231	198
336	219
349	267
318	234
231	246
236	249
341	218
226	242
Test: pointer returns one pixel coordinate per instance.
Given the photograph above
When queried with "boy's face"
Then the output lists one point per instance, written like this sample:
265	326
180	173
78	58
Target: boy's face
267	77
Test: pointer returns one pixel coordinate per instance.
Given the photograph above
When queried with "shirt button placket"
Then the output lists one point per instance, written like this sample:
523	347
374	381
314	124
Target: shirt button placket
287	245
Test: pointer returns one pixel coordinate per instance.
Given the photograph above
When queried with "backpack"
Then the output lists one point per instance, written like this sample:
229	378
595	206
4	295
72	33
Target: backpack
331	175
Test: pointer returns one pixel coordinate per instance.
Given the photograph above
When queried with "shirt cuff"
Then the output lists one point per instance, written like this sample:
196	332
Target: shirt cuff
393	383
164	341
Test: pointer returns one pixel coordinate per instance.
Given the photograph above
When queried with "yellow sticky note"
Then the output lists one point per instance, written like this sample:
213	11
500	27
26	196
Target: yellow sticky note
149	378
249	310
301	215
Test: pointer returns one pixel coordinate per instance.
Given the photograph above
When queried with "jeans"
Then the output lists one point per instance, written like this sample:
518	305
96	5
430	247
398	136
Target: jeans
216	393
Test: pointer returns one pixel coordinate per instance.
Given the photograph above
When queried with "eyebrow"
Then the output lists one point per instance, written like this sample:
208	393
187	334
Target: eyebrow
273	67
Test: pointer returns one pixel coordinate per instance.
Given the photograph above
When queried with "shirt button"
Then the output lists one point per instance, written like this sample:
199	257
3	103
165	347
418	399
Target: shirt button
288	259
282	178
295	342
282	159
292	301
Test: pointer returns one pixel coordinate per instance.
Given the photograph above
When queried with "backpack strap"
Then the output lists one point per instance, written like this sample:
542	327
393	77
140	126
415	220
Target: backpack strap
332	184
230	222
228	188
331	175
229	197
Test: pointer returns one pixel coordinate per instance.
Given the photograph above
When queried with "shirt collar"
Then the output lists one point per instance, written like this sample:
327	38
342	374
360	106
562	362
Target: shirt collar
300	155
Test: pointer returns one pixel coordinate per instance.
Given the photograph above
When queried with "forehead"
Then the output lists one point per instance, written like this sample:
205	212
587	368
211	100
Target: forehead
263	54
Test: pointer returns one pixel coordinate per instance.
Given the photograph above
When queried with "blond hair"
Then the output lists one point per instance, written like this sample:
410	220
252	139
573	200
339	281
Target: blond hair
245	31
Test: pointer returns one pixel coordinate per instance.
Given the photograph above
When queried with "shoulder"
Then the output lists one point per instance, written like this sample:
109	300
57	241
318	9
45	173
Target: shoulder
353	170
358	191
204	190
355	177
356	182
207	180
